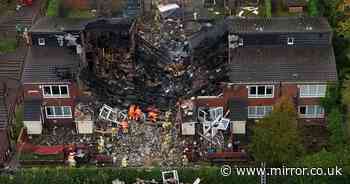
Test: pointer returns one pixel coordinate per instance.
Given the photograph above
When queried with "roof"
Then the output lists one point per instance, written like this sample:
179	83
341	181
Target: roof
3	112
32	110
45	64
277	25
11	64
55	24
316	64
238	109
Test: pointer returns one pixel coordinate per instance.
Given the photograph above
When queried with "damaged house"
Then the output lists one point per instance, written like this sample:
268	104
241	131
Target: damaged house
59	49
271	58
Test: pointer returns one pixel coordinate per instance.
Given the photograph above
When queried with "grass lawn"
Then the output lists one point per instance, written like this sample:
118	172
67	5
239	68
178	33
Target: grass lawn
8	45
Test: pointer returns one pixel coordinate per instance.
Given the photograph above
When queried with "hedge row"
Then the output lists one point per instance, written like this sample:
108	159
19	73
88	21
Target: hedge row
208	175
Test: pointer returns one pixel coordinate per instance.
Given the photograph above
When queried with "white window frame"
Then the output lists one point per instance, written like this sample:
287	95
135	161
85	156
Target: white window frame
58	116
314	115
307	94
261	96
256	115
51	95
290	41
41	41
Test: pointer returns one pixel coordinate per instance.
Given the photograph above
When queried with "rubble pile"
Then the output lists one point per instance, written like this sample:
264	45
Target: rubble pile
143	144
60	136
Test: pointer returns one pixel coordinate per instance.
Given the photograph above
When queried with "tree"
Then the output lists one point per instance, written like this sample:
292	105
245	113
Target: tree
343	28
313	8
336	127
332	98
276	139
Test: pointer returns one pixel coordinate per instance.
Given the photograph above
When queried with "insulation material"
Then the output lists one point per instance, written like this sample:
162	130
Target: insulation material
188	128
239	127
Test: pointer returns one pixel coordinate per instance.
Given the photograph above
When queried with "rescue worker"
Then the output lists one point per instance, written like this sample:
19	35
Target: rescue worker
131	112
125	127
152	116
137	113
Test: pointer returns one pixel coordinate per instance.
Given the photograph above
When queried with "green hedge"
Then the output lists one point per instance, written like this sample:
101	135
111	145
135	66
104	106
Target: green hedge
7	45
208	175
53	8
107	175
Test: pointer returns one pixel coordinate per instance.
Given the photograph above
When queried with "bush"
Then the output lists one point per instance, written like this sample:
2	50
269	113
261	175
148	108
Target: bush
53	8
7	45
208	175
268	8
313	8
336	127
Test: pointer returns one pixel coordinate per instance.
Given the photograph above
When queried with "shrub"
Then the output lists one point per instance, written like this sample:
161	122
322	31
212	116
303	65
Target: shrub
7	45
53	8
313	8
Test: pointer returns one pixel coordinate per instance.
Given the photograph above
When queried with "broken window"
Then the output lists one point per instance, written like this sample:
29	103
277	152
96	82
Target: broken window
170	177
109	114
41	41
216	113
202	115
55	91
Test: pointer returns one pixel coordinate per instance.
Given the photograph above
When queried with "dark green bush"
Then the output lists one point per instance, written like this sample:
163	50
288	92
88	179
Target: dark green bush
53	8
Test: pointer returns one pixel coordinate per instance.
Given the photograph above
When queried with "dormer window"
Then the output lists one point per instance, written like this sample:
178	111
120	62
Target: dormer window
41	41
290	41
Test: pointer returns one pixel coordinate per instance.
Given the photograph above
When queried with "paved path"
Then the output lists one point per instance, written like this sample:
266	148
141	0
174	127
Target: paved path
25	17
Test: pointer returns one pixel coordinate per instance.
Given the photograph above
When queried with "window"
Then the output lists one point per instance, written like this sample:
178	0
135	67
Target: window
261	91
259	111
311	111
41	41
290	41
312	90
58	112
55	91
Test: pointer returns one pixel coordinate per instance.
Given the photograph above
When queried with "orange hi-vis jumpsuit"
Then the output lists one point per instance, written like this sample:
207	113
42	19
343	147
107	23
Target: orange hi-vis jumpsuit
125	126
137	113
131	112
152	116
